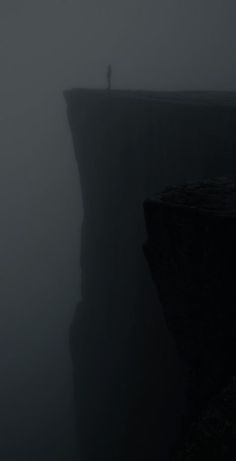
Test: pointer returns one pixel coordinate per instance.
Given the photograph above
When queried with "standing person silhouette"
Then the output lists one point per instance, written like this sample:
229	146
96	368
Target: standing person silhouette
109	75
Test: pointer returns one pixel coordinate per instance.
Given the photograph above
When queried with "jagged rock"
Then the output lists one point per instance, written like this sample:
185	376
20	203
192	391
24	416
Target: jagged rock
213	436
191	250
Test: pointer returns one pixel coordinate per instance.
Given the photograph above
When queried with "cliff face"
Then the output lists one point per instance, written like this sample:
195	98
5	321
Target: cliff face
129	145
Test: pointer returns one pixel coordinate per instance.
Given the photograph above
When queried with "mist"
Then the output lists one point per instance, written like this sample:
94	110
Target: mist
45	48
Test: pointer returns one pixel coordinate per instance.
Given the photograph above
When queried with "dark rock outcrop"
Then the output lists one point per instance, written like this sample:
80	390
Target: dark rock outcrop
191	250
129	145
212	436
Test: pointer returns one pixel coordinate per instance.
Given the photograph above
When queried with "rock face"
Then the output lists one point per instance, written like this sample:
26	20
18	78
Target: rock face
213	435
191	250
129	145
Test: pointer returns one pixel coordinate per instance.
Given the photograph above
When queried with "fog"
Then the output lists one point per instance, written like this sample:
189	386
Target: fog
46	47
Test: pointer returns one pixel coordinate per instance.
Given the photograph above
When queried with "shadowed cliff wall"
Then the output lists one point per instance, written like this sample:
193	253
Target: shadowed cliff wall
129	145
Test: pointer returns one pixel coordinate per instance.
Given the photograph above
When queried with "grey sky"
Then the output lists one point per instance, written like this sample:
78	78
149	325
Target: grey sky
159	44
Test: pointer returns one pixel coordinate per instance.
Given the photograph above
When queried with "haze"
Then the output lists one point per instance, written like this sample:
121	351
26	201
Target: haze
46	47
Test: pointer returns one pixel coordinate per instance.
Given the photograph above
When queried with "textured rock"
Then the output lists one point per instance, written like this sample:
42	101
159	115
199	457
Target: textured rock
191	233
213	436
191	251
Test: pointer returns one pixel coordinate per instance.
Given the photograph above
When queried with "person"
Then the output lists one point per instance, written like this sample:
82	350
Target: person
109	74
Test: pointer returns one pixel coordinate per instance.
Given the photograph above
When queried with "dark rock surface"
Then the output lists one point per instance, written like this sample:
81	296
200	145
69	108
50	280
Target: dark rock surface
216	196
213	436
191	251
129	145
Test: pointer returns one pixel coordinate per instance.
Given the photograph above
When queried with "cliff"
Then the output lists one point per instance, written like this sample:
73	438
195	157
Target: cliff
191	252
129	145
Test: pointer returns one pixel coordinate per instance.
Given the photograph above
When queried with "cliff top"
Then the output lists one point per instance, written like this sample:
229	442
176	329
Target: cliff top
225	98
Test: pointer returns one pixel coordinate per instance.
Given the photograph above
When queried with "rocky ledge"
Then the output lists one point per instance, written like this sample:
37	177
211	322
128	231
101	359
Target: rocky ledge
216	196
191	251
